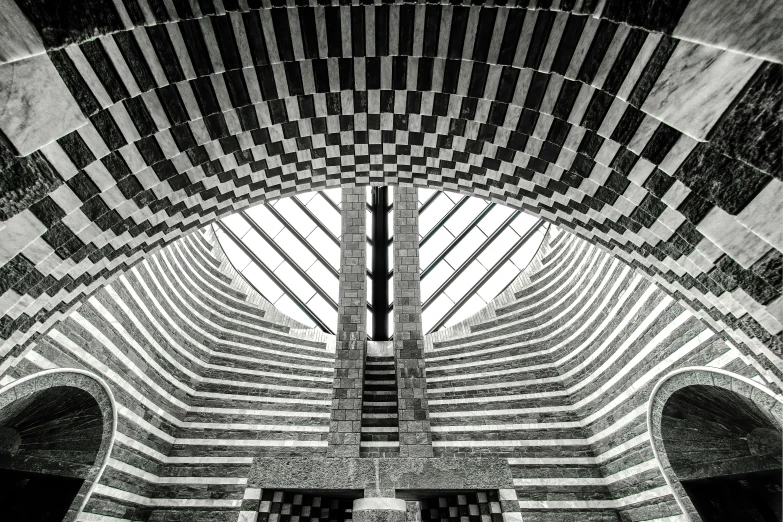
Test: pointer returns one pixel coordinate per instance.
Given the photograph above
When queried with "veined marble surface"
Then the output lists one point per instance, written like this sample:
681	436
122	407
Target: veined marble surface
36	107
750	26
20	39
697	86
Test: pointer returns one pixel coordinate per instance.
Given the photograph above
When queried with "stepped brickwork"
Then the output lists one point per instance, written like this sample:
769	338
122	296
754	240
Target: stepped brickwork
647	134
556	377
203	383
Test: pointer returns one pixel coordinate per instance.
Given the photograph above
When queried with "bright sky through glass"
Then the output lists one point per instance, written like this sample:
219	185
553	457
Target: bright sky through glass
296	247
471	250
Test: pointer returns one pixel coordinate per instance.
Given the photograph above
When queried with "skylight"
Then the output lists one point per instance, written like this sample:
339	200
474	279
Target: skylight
470	251
289	250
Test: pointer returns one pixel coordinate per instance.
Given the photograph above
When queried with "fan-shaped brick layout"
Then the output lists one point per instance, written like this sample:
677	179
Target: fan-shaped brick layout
174	114
605	119
555	375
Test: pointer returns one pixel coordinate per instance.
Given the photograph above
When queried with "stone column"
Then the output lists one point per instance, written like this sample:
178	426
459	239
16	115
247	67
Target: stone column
379	509
414	415
346	418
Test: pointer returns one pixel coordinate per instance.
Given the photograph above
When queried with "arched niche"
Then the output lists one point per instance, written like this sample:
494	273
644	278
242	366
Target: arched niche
711	431
57	429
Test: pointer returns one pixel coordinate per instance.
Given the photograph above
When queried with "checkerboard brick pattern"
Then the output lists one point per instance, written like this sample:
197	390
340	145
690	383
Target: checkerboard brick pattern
482	506
280	506
345	424
581	112
651	136
414	420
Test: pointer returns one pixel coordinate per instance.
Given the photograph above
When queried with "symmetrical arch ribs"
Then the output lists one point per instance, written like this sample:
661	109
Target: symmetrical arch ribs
198	112
556	375
206	376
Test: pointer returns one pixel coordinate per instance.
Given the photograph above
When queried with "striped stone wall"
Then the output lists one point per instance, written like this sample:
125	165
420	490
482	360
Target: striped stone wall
203	380
650	128
556	375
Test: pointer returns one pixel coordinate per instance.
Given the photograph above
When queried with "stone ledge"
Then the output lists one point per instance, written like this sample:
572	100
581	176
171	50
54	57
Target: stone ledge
379	473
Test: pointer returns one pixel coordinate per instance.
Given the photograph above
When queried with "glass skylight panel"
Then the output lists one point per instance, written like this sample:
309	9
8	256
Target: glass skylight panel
525	255
294	215
291	253
390	282
466	247
390	256
326	247
436	244
306	197
523	222
295	249
325	279
292	310
262	282
507	272
487	275
465	216
465	281
434	213
498	248
237	224
264	219
425	194
391	321
322	309
471	306
455	196
495	218
434	279
259	246
437	310
234	253
294	281
326	214
334	194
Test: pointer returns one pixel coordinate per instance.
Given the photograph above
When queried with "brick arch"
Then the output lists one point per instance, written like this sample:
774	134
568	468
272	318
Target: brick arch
29	386
671	174
761	396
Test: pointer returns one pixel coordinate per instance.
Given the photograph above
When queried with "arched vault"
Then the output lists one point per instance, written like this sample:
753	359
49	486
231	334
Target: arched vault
651	131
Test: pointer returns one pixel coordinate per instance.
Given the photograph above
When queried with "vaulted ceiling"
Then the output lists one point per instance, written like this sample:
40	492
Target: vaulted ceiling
651	128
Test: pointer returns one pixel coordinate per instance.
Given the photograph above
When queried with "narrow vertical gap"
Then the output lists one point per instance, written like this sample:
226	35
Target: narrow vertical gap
380	264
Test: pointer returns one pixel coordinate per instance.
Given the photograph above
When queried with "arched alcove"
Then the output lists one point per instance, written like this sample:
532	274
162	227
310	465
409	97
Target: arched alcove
56	431
717	437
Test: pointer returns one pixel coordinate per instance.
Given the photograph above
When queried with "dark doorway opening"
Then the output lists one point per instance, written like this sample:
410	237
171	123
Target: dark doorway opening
752	497
35	497
726	452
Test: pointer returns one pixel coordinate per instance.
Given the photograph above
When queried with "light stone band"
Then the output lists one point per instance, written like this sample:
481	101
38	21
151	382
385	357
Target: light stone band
379	504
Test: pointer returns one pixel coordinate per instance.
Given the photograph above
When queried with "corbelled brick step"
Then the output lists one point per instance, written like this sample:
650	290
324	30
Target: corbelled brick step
380	433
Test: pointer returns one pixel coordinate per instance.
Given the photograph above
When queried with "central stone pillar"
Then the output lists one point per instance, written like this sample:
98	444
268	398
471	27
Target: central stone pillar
379	509
414	414
345	423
